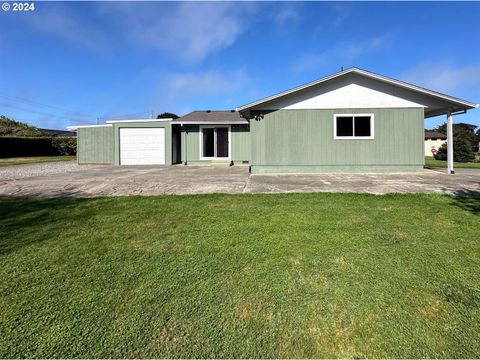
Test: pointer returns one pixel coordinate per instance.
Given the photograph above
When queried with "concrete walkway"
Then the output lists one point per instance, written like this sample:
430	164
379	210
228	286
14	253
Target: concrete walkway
90	181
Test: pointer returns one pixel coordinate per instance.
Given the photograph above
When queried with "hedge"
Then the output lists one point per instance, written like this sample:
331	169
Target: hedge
37	146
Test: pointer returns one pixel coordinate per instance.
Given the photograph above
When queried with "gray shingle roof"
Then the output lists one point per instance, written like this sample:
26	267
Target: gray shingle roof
211	117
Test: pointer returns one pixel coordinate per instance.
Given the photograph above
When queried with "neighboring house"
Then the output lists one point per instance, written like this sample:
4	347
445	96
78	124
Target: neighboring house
351	121
433	140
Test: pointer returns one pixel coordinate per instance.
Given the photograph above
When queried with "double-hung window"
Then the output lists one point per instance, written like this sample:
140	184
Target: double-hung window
353	126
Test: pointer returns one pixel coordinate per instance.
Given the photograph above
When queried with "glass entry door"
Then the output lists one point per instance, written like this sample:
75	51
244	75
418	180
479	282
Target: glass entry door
215	142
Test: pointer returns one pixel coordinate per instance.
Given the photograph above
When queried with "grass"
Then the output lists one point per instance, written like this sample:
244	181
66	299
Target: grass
293	275
34	159
431	162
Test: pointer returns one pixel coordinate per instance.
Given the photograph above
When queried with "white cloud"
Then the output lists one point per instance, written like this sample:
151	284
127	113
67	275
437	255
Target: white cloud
185	91
286	13
60	22
187	30
443	77
340	13
342	54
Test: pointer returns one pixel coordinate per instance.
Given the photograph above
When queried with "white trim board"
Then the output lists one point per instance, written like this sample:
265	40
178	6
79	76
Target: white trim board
210	123
75	127
137	120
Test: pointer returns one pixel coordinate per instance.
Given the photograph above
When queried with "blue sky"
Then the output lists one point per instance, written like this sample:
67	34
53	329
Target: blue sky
71	62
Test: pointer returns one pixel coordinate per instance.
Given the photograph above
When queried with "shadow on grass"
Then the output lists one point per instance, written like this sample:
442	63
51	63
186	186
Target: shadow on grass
25	221
467	200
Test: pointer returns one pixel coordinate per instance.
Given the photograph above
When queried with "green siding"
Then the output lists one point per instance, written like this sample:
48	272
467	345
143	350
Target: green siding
302	141
240	145
95	145
147	124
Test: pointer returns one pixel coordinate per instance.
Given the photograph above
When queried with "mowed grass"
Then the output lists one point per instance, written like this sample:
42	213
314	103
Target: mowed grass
294	275
431	162
34	160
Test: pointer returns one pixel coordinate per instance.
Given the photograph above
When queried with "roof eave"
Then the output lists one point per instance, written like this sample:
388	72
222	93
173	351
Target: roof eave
365	73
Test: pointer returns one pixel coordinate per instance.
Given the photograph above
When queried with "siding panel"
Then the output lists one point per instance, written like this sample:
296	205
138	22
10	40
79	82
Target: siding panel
95	145
303	140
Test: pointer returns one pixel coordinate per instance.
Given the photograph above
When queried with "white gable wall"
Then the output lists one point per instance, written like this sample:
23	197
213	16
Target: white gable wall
351	92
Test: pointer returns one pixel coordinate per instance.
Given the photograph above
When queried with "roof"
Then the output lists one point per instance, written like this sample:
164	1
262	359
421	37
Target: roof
434	135
111	122
211	117
456	103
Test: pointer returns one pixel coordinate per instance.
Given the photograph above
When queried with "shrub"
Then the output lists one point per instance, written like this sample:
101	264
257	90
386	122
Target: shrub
65	145
36	146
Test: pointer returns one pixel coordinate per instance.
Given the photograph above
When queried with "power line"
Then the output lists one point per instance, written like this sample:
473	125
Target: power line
36	112
16	99
122	116
19	104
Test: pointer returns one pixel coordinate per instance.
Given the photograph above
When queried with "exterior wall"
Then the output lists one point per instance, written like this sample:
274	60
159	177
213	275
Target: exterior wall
168	138
95	145
240	145
303	141
436	143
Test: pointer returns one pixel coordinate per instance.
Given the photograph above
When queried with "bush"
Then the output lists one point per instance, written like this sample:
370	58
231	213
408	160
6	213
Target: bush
65	145
36	146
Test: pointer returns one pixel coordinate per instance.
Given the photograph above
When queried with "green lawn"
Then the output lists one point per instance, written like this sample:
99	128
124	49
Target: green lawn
431	162
294	275
34	159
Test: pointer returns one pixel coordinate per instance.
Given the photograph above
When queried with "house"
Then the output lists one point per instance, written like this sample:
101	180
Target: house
350	121
433	141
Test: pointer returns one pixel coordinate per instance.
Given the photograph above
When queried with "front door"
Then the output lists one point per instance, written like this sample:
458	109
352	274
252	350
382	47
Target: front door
215	142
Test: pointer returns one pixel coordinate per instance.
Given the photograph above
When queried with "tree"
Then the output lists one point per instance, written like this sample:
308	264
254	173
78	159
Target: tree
467	130
167	115
462	146
468	127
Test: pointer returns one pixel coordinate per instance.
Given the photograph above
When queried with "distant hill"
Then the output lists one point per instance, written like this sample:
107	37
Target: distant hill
9	127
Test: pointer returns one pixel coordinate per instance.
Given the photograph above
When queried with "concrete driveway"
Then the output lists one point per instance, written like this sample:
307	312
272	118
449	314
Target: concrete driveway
89	181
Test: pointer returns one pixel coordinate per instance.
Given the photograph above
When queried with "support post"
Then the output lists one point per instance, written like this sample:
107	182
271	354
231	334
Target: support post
450	144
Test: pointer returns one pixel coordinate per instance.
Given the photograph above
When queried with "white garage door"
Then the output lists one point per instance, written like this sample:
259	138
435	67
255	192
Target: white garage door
142	146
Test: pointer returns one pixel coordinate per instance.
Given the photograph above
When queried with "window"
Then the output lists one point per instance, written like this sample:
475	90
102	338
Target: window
214	142
353	126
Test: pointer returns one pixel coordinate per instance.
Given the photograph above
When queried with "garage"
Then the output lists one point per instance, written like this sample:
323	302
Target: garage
142	146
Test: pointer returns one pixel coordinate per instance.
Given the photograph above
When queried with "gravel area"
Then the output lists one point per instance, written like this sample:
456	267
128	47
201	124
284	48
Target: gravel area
15	172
